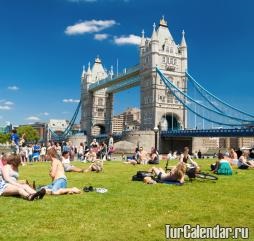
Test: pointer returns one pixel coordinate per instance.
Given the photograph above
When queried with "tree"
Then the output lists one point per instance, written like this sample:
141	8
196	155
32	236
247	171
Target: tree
4	138
31	135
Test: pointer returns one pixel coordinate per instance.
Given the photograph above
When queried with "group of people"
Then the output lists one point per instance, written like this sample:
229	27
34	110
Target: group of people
186	165
96	150
177	173
60	155
141	156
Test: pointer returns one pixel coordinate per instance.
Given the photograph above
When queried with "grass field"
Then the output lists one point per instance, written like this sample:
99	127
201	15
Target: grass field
129	210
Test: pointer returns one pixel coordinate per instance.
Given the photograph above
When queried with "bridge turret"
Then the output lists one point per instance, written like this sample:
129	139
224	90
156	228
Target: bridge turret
89	74
142	43
183	52
157	103
83	72
154	47
98	72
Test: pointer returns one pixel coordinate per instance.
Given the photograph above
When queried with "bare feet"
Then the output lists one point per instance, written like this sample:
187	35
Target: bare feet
74	190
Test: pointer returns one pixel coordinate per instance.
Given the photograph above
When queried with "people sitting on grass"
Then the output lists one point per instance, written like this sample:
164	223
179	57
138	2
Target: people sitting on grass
59	180
222	166
96	166
244	162
154	157
9	185
186	158
67	163
90	156
81	150
142	157
233	157
102	151
176	174
134	158
172	156
94	145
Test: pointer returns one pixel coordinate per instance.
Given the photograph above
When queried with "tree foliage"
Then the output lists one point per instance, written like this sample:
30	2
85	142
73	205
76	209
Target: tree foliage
31	135
4	138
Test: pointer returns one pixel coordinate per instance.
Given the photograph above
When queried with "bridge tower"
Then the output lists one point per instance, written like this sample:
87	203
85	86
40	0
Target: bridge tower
96	107
158	105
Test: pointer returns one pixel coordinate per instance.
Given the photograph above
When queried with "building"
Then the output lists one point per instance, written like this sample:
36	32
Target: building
96	107
157	102
118	123
6	128
127	121
132	119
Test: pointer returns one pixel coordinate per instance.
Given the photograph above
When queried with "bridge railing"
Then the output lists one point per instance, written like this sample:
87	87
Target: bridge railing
114	77
244	132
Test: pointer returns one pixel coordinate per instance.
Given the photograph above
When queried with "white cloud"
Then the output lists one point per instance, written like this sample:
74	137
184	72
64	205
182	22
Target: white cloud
33	118
5	107
45	113
8	103
70	101
101	36
14	87
131	39
92	26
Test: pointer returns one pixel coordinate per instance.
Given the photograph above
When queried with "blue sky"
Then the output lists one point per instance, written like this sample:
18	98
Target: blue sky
45	43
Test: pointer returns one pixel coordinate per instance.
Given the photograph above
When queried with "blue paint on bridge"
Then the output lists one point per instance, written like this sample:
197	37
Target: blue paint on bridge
209	133
116	83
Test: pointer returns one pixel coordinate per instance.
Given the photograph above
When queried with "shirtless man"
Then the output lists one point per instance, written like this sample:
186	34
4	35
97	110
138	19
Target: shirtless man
59	180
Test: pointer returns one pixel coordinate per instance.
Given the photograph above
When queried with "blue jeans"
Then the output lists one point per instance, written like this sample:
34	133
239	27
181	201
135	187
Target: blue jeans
57	184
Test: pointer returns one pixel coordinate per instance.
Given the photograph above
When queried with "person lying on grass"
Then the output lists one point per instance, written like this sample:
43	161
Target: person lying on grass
59	180
67	163
96	166
176	174
9	185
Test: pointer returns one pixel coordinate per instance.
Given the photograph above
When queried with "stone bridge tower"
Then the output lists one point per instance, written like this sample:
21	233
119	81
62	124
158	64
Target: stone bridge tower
158	105
96	107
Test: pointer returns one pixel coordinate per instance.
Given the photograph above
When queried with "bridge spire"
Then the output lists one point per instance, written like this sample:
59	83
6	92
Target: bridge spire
154	35
89	72
142	43
183	42
83	72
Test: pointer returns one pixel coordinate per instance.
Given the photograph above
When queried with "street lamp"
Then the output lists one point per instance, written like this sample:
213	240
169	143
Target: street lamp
156	130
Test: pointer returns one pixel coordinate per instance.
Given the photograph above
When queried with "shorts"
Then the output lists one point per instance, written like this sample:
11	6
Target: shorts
57	184
3	185
159	176
68	167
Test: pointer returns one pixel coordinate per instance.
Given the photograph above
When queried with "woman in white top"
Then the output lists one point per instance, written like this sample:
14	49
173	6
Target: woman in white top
67	164
9	185
244	162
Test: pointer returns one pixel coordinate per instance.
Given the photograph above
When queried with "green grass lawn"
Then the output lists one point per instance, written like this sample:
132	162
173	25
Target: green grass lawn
129	210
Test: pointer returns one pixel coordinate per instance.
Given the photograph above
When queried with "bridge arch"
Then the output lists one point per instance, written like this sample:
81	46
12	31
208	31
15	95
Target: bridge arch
170	121
98	129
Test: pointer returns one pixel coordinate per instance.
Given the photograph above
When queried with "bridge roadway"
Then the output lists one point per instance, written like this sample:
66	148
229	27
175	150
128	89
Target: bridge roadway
120	82
245	132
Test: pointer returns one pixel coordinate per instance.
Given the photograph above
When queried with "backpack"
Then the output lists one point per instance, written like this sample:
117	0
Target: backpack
141	175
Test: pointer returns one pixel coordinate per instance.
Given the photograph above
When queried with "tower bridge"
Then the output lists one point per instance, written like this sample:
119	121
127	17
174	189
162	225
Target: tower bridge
170	98
156	101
